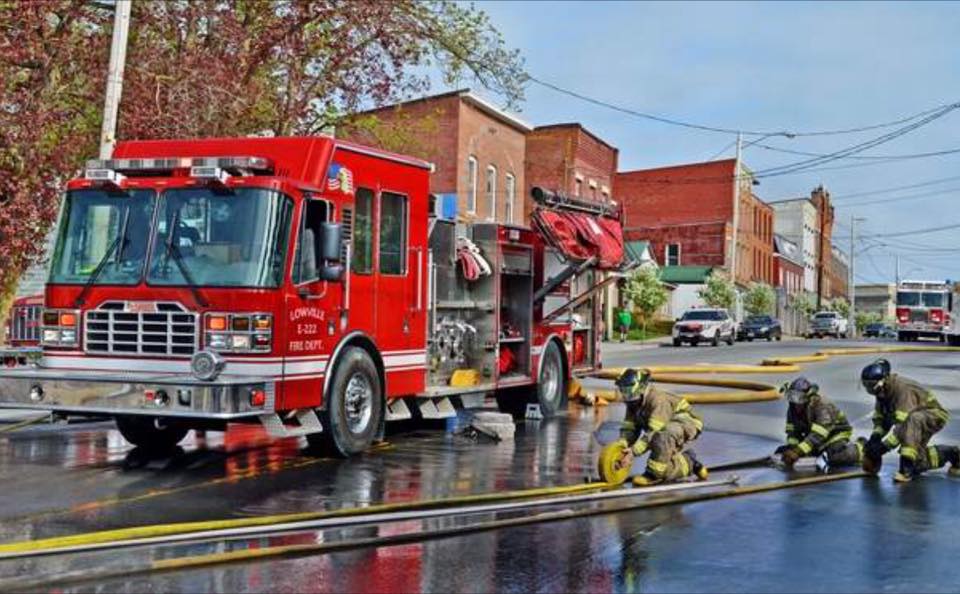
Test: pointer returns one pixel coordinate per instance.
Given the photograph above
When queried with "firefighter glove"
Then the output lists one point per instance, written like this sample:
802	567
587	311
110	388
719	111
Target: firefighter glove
790	456
780	450
875	448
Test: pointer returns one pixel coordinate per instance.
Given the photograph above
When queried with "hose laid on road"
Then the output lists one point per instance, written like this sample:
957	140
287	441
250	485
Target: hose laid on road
298	550
746	391
379	518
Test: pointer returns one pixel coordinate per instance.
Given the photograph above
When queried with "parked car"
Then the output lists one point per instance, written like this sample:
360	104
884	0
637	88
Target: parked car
828	323
760	327
704	325
879	330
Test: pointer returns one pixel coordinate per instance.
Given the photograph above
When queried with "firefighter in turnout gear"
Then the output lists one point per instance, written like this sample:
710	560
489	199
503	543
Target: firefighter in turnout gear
661	423
816	427
906	416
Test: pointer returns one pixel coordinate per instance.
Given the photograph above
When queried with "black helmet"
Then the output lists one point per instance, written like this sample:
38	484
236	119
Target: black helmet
874	375
800	390
633	383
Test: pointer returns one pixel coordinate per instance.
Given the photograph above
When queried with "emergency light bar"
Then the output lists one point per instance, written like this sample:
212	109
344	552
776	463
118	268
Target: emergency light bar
213	174
105	176
256	164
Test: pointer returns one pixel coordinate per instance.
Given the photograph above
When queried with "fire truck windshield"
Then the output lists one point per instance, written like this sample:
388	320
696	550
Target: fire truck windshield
103	237
221	239
908	298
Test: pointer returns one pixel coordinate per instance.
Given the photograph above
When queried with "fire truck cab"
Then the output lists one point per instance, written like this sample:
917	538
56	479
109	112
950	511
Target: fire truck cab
923	310
307	284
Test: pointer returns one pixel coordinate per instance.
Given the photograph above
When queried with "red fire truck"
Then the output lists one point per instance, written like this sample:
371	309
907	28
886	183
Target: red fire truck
923	309
307	284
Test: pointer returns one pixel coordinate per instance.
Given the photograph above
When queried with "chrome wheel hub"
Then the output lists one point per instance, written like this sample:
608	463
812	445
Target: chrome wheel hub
550	381
358	403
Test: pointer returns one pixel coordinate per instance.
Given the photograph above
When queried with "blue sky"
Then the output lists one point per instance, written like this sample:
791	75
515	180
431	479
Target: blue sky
770	66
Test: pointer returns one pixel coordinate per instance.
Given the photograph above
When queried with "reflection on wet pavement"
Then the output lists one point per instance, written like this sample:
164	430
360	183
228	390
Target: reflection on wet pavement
854	535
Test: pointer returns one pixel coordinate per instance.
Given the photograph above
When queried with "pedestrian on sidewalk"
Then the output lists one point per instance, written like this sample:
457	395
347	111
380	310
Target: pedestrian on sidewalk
624	320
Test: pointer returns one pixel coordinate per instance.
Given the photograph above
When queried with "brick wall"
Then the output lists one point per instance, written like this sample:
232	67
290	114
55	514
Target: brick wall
446	130
701	244
496	144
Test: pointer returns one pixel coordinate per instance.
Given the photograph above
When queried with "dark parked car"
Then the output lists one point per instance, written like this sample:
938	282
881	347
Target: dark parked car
760	327
879	330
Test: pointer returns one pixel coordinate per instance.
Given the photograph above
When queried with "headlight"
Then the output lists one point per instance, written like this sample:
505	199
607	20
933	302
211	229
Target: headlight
60	328
238	332
764	329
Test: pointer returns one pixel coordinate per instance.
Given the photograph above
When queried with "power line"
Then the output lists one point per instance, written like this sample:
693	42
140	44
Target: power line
707	128
864	157
897	198
914	232
895	189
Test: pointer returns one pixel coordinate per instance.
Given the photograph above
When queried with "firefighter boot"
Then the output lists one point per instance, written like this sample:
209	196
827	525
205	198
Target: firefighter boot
952	455
697	468
646	480
908	470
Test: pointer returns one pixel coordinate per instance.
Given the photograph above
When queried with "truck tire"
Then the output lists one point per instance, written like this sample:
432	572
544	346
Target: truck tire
151	433
355	406
552	381
732	338
677	342
715	341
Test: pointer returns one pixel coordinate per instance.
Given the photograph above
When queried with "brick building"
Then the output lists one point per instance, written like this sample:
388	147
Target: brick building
686	212
479	150
808	222
788	273
570	159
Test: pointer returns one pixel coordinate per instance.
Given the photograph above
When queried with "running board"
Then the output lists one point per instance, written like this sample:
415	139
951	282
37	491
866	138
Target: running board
436	408
398	410
307	419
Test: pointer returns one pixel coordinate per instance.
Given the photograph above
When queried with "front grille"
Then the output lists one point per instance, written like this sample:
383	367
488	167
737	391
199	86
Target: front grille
25	323
112	329
918	315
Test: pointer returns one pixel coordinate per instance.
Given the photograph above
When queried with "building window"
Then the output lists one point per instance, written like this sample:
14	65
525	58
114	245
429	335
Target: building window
492	191
578	187
471	184
393	233
672	255
593	189
510	193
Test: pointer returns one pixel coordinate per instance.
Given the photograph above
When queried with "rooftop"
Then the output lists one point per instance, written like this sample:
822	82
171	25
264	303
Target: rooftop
577	125
467	96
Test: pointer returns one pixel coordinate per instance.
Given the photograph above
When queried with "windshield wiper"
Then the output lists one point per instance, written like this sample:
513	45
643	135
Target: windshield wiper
102	264
174	250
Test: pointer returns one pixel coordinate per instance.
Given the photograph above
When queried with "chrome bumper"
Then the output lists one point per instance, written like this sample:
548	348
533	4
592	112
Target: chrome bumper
110	393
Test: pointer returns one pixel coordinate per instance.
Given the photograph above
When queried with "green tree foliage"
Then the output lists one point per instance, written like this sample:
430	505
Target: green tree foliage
865	318
212	68
759	299
719	291
646	294
803	303
839	305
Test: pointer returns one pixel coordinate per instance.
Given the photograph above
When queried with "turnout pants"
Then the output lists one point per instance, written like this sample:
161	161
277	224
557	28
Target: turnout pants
914	435
667	459
843	453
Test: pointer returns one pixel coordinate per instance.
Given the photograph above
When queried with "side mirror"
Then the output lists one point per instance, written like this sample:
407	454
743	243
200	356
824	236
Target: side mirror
330	242
331	272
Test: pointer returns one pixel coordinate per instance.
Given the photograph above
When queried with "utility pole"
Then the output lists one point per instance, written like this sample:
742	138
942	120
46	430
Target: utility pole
897	277
852	279
118	58
736	219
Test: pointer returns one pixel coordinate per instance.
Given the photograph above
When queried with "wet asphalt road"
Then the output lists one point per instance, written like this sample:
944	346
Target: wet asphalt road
857	535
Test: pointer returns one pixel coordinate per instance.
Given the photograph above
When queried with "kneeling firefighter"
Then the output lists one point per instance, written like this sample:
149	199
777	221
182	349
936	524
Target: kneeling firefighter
816	427
906	416
661	423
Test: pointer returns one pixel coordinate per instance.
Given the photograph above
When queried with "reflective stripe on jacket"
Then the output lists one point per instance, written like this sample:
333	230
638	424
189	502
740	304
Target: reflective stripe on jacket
654	411
816	424
902	396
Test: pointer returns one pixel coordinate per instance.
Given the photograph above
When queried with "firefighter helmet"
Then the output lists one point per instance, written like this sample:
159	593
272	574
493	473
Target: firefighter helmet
800	390
632	383
874	375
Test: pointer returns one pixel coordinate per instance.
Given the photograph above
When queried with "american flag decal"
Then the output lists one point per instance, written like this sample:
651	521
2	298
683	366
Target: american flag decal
340	178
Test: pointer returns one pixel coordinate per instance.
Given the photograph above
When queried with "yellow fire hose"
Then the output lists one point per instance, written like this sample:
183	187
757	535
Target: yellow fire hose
288	551
24	423
746	391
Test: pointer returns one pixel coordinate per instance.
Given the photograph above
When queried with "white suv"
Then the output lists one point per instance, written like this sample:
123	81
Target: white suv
704	325
828	323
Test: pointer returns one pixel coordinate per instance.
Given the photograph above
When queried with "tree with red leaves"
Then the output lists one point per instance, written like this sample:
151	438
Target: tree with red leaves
211	68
